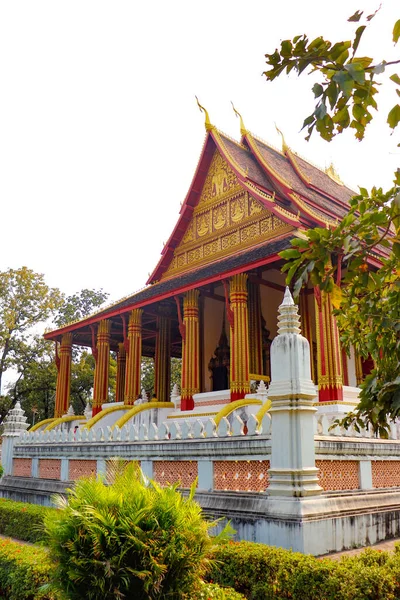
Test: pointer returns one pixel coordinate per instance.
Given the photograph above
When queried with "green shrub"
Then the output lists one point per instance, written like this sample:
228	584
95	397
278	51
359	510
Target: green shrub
212	591
23	570
1	470
22	521
264	573
128	540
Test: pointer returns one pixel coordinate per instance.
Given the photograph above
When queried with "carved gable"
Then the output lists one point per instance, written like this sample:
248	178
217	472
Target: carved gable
226	220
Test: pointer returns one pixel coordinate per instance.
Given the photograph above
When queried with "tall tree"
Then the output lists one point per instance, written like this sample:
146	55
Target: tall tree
33	360
367	300
25	301
79	305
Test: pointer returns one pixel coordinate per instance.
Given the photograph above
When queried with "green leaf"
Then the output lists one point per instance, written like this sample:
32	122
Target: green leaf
356	17
318	90
356	71
396	250
396	31
394	116
290	253
395	78
345	82
357	38
286	48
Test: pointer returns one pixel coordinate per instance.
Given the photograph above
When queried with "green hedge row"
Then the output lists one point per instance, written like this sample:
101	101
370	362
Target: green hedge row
264	573
22	521
23	570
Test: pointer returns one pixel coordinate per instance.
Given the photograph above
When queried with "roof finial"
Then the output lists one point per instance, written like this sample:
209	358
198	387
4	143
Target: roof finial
207	123
332	173
243	129
285	147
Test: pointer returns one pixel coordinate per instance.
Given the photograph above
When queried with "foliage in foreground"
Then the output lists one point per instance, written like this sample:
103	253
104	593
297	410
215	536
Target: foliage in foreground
22	520
128	539
264	573
357	261
23	571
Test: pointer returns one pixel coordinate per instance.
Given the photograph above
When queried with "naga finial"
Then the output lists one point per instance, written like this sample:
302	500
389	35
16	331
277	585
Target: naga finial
332	173
207	123
285	147
243	129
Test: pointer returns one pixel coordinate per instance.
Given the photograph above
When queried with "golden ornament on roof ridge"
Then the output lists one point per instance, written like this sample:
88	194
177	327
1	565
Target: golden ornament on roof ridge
243	129
207	123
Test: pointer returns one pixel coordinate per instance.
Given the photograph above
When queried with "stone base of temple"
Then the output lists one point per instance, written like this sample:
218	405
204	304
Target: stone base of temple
329	523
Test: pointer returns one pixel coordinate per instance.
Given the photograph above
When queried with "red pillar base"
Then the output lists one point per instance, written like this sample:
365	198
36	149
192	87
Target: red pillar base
187	403
95	410
239	395
330	394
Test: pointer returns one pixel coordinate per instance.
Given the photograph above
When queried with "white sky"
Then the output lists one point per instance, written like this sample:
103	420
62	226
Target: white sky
100	133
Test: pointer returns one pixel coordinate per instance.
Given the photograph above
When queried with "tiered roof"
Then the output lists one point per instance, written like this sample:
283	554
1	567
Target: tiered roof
296	192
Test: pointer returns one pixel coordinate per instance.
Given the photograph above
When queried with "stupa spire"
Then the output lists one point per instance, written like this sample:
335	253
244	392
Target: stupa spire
288	318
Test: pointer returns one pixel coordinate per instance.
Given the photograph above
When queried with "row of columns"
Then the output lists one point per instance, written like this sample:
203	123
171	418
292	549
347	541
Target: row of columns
244	316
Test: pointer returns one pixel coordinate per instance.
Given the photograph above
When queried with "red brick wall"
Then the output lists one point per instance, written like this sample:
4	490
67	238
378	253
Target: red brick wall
338	474
82	468
241	475
184	471
49	468
22	467
385	473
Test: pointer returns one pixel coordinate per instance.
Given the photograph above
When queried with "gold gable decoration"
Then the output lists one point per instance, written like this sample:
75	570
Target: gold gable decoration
226	220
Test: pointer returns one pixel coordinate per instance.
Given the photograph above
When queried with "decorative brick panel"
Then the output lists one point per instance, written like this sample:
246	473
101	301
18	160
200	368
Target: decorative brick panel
182	471
241	475
385	473
22	467
49	468
338	474
82	468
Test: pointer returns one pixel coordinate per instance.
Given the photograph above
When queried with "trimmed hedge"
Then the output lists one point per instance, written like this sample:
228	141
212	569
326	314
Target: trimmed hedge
264	573
212	591
23	570
23	521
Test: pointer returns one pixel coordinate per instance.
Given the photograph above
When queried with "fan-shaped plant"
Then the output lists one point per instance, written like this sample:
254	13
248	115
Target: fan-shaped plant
130	539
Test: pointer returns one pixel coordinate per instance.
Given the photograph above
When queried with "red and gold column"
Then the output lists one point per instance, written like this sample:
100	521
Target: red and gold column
359	370
121	368
255	334
162	375
190	350
306	328
100	392
239	371
134	357
330	371
64	375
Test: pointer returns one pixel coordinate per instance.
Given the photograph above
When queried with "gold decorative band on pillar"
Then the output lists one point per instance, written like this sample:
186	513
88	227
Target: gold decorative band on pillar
255	333
162	375
359	370
239	371
100	392
190	350
329	356
121	368
306	327
134	357
64	376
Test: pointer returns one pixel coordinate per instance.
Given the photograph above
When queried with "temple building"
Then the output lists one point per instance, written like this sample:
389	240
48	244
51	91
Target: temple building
213	297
